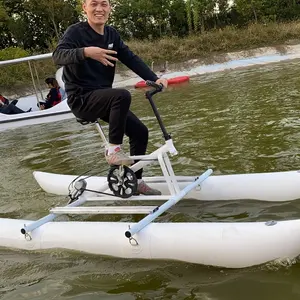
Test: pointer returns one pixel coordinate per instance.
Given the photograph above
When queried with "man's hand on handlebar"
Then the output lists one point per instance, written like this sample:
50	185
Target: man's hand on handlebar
162	81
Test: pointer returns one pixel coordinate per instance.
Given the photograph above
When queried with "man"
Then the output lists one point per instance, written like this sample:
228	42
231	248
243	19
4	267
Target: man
89	52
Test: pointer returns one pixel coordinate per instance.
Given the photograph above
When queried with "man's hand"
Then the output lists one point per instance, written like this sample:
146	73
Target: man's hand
1	103
101	55
162	81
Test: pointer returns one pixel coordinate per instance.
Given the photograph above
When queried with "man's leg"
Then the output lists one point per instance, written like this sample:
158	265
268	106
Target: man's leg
138	138
112	106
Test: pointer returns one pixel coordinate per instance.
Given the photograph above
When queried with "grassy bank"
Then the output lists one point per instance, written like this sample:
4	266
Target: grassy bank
206	46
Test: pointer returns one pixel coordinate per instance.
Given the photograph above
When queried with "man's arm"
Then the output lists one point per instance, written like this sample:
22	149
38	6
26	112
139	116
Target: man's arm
67	51
134	62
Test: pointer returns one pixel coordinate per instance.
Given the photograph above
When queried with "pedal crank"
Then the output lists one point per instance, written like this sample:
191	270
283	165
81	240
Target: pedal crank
122	181
77	190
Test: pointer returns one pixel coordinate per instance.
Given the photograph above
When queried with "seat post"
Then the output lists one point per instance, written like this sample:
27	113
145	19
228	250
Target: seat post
100	130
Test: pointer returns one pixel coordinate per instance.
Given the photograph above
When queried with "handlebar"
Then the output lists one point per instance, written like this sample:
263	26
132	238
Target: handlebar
157	88
155	85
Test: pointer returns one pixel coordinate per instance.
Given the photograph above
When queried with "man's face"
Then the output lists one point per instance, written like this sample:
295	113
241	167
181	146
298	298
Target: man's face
97	11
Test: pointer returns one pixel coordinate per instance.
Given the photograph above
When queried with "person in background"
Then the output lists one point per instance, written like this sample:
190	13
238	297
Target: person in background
6	101
54	96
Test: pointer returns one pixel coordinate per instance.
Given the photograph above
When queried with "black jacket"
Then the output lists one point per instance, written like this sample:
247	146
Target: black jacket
85	74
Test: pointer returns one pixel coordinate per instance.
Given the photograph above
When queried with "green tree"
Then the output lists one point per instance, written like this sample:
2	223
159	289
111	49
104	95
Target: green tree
189	15
178	18
5	34
250	9
32	24
141	18
55	14
198	12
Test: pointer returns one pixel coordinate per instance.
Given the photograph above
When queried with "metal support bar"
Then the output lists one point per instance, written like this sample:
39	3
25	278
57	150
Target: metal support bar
161	209
101	132
166	174
132	198
32	226
34	86
143	157
171	173
179	179
94	210
38	80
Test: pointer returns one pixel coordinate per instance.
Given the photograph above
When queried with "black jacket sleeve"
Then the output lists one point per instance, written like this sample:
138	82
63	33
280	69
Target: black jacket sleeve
134	62
67	51
51	97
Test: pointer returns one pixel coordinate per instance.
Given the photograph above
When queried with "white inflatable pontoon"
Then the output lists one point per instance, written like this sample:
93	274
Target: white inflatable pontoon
273	186
229	245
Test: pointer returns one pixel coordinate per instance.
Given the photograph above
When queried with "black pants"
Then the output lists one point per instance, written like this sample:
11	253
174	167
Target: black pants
112	106
11	109
14	102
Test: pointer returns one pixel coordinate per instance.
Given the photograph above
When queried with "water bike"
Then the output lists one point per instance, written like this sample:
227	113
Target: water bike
222	244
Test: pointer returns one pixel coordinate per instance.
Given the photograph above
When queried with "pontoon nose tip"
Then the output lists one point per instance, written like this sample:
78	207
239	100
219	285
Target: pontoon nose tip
34	173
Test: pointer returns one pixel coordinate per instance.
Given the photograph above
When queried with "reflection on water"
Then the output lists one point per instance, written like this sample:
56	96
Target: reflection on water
233	122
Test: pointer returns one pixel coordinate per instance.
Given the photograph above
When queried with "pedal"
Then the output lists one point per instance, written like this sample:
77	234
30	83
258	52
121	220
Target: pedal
122	181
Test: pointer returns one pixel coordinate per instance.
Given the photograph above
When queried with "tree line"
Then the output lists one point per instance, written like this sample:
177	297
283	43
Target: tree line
35	25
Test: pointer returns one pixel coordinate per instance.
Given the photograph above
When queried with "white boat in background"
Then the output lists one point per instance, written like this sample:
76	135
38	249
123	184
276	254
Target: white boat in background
57	113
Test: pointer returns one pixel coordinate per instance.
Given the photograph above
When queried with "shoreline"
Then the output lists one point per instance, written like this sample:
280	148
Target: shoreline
197	67
219	63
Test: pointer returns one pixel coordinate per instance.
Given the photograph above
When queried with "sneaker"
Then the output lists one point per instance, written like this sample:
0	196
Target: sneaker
119	157
145	189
